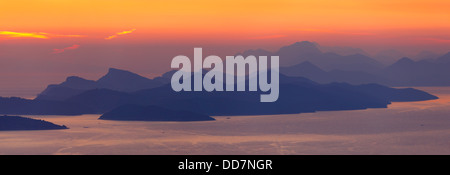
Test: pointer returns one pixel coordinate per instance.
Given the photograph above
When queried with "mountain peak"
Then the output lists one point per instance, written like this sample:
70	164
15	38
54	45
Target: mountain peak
405	60
304	46
304	43
297	53
299	48
74	78
115	70
306	64
126	81
78	83
118	74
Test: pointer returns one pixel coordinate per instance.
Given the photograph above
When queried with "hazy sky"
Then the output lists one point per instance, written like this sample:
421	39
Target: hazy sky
43	41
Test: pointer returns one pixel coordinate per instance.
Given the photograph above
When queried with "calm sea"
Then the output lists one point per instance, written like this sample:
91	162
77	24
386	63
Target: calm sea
402	128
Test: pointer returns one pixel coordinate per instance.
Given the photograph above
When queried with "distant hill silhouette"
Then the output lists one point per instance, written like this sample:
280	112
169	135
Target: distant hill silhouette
407	72
11	123
306	60
404	72
296	95
115	79
117	88
311	71
298	52
126	81
151	113
307	51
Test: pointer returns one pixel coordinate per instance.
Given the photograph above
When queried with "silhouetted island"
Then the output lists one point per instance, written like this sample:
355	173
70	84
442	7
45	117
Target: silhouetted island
297	95
151	113
115	79
12	123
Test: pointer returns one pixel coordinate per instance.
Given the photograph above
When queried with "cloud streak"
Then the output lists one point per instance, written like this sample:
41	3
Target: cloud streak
10	34
120	33
73	47
39	35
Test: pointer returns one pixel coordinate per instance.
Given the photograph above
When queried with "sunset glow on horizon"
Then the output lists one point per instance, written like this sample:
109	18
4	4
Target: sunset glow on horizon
143	36
220	20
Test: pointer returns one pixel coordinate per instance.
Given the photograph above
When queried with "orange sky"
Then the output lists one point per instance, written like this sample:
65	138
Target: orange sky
57	38
220	20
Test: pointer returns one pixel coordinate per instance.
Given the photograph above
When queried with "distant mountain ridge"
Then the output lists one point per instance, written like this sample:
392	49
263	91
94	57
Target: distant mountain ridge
318	82
297	95
308	51
407	72
305	59
115	79
404	72
313	63
311	71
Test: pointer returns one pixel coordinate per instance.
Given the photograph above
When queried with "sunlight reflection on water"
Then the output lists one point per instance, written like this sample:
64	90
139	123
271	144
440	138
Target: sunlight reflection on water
403	128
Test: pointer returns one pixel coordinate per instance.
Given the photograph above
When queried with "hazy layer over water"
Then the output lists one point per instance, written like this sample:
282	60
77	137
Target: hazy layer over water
403	128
